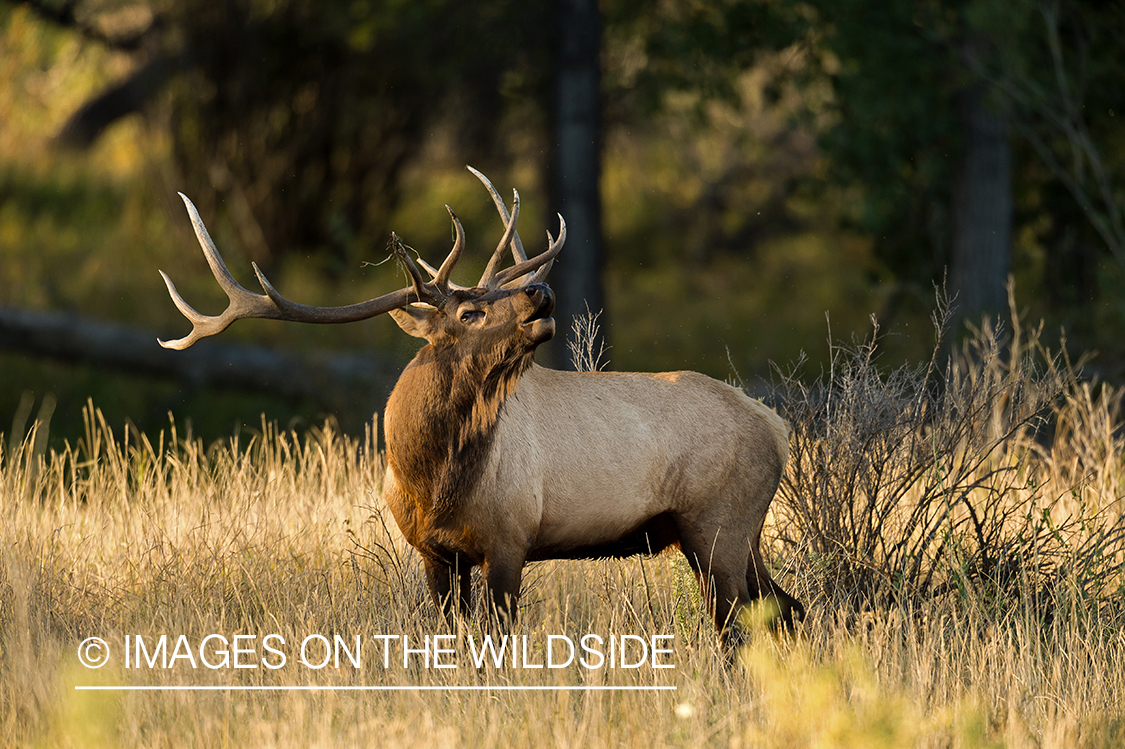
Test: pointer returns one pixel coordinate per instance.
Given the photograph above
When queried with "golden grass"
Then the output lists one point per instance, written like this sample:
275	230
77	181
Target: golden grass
278	533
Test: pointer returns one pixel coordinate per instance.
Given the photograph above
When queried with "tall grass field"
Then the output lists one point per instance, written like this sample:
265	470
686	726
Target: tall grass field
955	530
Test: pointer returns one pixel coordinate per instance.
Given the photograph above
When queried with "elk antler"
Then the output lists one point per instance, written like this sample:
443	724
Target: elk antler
488	277
518	254
273	306
541	262
441	278
525	272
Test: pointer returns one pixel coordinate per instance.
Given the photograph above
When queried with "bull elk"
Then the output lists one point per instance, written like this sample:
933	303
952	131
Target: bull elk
495	461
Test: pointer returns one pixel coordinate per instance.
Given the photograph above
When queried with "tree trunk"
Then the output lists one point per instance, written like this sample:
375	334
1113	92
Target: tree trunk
337	381
982	210
576	170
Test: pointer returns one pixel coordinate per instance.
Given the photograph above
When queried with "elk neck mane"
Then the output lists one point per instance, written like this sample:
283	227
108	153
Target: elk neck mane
440	420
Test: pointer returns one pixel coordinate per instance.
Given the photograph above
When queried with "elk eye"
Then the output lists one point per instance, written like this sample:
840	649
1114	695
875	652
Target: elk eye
470	315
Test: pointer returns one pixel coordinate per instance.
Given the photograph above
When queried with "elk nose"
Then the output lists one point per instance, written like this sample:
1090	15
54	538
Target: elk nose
542	297
537	288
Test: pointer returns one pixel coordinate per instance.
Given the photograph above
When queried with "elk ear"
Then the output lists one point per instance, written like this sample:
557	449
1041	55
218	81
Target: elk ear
415	321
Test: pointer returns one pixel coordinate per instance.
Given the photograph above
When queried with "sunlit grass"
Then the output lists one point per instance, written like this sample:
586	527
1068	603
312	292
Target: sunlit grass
130	534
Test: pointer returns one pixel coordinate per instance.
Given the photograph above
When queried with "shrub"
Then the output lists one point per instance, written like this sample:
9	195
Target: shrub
908	483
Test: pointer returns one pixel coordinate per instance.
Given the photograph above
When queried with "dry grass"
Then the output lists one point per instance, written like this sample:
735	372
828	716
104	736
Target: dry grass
969	594
993	470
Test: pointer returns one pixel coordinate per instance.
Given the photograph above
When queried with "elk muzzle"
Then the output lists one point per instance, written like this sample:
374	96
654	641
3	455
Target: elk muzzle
539	326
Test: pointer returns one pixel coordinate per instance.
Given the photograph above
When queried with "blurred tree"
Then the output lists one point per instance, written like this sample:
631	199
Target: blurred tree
927	141
1062	83
298	117
927	100
576	168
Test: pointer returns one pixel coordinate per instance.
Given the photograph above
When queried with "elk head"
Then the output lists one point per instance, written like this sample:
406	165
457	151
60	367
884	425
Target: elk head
508	311
507	323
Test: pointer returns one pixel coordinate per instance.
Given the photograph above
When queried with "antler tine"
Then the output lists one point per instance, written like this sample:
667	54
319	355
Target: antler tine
518	253
198	321
433	274
271	305
243	303
540	275
232	287
540	262
419	286
441	278
488	280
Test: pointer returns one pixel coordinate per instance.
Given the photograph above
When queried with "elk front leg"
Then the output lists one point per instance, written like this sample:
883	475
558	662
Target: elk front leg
450	585
502	586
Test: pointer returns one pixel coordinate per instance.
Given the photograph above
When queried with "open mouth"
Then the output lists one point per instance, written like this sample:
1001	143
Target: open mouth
539	325
545	309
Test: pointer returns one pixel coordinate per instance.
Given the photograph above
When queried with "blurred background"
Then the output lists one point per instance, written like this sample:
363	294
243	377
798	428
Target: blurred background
741	182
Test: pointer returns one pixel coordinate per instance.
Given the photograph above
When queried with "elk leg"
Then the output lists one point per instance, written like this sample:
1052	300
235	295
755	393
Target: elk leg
440	578
721	581
502	585
788	609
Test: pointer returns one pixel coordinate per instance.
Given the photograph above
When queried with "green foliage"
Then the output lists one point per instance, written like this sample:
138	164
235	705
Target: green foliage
764	163
890	128
894	126
899	72
689	46
303	115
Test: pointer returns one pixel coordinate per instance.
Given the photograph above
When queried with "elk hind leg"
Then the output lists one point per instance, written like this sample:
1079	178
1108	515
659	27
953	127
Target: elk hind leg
718	565
780	609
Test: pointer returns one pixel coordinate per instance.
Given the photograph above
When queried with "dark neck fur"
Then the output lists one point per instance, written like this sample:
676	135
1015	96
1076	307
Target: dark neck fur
441	420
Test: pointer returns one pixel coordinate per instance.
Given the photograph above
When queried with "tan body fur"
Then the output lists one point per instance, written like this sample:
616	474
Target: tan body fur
608	464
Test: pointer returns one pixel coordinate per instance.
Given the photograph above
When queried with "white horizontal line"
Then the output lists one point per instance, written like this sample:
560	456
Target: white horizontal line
408	688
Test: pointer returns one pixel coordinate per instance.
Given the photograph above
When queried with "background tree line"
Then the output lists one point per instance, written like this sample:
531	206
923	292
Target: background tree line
729	170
